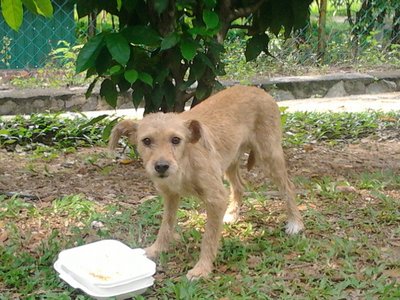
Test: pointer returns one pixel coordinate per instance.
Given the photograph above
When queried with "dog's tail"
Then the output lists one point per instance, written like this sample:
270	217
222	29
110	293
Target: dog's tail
251	160
124	128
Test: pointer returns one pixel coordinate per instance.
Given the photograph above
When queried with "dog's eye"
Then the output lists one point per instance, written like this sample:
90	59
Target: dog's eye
175	140
146	141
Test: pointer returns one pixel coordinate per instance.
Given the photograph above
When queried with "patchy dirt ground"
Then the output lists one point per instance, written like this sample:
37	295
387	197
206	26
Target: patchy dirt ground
93	173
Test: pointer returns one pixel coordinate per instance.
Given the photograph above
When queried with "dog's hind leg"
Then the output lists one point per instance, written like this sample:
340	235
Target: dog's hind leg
272	158
235	198
166	234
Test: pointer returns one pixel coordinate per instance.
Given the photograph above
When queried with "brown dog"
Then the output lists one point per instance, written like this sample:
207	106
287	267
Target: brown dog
189	153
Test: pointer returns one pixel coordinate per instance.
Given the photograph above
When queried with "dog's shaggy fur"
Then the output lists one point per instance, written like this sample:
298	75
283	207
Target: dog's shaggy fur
189	153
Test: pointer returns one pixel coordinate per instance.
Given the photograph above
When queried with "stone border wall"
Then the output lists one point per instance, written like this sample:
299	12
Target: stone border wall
29	101
330	86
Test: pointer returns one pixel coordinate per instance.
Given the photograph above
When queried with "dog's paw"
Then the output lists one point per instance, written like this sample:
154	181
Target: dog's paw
294	227
152	252
231	215
230	218
198	272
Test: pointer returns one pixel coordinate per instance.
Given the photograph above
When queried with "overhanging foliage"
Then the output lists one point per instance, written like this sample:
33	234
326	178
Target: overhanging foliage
160	48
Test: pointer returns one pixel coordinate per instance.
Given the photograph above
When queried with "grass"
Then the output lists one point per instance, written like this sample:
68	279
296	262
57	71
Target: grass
345	250
349	250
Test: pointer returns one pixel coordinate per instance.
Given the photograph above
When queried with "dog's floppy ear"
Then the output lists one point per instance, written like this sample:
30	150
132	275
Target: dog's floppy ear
195	131
199	133
126	128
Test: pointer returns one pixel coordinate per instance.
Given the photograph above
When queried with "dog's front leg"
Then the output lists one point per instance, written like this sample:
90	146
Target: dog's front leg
166	232
215	210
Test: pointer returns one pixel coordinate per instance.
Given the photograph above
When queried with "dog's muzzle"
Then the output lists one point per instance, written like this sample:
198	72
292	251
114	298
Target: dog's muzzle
161	168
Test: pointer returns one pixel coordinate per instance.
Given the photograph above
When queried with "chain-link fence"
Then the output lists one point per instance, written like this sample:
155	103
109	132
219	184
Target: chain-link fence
348	35
30	46
362	32
341	33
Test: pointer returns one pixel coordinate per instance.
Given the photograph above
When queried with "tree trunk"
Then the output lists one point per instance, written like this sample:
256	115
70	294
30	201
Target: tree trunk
92	24
322	30
395	36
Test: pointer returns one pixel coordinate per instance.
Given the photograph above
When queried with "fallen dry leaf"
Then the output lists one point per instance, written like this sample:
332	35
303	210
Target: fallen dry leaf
392	273
346	189
3	236
254	261
308	147
388	119
303	207
126	161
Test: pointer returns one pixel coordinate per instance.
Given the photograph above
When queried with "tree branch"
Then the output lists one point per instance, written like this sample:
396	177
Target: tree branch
348	11
237	26
189	95
245	11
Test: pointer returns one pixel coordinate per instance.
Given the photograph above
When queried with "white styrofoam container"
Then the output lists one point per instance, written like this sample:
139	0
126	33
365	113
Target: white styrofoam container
106	269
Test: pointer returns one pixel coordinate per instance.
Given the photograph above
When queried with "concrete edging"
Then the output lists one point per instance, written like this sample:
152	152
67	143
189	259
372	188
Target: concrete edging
27	101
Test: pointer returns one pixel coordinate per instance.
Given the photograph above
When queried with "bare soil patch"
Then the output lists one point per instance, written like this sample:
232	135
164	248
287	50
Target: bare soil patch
94	174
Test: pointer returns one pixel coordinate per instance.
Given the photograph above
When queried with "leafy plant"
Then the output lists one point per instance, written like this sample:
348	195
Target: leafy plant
12	10
301	127
43	130
5	51
59	70
161	48
52	130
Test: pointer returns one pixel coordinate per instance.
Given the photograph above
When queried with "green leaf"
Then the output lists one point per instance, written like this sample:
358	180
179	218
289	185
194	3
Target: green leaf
89	91
12	12
204	58
160	6
146	78
188	48
107	130
91	72
31	6
161	76
199	30
103	62
255	46
210	3
157	96
137	96
4	132
119	4
123	85
109	92
170	95
89	53
85	7
202	92
44	8
142	35
198	68
92	121
131	75
118	47
115	69
170	40
210	18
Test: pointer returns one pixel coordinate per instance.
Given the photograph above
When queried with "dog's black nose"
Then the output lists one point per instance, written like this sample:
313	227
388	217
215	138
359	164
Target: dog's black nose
161	167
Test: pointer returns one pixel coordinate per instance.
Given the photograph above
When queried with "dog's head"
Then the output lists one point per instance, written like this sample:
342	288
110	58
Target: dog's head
162	141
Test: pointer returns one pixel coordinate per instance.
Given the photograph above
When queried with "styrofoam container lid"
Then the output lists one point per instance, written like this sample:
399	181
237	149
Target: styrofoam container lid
106	264
123	291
